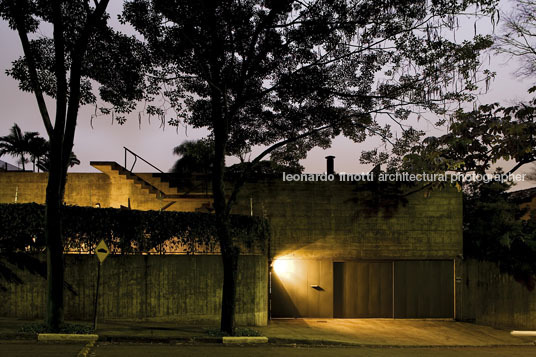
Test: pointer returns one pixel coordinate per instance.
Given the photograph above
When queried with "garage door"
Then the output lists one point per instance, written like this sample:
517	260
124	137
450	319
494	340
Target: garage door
363	289
424	288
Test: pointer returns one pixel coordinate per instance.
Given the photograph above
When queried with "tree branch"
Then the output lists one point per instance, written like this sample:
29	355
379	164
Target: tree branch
243	176
18	10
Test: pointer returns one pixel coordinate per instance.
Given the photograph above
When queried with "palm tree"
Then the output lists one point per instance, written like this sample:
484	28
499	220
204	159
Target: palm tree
30	143
17	144
38	150
44	161
195	156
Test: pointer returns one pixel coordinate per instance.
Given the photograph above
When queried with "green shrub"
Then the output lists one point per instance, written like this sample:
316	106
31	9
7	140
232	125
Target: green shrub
125	231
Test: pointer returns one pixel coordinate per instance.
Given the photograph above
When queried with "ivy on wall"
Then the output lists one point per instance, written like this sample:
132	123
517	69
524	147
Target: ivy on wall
126	231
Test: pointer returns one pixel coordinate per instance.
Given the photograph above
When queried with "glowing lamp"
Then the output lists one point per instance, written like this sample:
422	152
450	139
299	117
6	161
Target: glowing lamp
283	266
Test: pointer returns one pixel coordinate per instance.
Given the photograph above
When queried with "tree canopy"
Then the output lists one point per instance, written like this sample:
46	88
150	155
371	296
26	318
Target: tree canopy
292	75
68	47
283	68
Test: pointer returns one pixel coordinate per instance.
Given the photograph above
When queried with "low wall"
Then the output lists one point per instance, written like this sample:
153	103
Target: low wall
492	298
170	287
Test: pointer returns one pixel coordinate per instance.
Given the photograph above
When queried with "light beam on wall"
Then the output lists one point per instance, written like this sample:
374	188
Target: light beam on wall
283	267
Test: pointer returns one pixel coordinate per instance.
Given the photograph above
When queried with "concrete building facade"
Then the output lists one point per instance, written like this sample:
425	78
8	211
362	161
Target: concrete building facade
333	252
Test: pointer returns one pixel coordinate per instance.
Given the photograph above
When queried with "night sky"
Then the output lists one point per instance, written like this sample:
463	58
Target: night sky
105	141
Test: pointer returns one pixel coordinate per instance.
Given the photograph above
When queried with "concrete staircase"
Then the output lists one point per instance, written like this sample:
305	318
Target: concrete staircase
160	185
112	168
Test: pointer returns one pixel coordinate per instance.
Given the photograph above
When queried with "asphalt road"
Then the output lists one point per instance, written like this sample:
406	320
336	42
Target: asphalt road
33	349
161	350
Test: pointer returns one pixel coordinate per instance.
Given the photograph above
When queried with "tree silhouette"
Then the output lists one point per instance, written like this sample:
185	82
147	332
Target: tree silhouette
38	148
292	75
80	51
18	144
195	156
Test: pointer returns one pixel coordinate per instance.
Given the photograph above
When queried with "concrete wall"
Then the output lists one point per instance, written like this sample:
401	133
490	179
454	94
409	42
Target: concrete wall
308	219
173	287
330	220
89	189
489	297
82	189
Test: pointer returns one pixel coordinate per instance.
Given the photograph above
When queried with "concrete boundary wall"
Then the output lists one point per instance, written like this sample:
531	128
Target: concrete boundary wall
179	288
492	298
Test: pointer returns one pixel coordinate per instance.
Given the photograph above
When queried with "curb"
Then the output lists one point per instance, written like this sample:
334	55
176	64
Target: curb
86	349
244	339
64	337
157	339
319	342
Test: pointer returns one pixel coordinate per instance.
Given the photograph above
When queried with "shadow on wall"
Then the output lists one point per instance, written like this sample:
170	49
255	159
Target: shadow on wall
282	304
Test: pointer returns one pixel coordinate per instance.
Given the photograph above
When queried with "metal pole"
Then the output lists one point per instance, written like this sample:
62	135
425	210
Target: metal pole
96	298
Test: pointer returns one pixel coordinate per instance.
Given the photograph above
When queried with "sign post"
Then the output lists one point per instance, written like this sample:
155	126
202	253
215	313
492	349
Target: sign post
101	252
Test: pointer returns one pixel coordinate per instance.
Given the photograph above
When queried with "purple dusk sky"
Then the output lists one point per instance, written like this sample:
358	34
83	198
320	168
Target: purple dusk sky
105	141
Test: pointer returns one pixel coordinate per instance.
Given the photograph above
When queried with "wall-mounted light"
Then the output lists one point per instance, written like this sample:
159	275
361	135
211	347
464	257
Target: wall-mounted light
283	266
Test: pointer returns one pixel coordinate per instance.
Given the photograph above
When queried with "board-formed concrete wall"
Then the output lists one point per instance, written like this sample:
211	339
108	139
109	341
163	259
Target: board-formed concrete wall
311	220
308	219
166	287
492	298
90	189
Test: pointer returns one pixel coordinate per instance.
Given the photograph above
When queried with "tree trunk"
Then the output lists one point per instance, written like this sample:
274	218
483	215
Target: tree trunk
229	251
54	244
229	255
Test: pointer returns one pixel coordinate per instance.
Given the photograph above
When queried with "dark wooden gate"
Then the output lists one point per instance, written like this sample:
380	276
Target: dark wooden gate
363	289
424	289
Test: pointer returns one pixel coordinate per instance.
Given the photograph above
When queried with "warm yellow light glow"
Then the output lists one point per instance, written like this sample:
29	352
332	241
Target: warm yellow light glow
283	266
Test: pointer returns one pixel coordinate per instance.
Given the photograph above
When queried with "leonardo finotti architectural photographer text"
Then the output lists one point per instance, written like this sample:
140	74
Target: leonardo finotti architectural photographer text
404	177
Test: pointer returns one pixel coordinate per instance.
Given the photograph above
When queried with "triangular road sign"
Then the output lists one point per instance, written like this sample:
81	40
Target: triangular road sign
102	251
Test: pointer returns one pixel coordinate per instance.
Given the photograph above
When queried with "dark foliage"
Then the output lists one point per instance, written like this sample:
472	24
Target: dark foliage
494	232
125	231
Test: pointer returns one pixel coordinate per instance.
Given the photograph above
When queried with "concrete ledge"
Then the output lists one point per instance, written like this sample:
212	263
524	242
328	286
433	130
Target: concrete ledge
158	339
244	339
66	337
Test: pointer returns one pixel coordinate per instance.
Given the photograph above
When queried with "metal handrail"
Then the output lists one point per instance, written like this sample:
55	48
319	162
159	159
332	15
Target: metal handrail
136	156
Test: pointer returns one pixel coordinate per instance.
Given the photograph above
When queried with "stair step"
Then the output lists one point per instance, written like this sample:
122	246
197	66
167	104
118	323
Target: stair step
172	182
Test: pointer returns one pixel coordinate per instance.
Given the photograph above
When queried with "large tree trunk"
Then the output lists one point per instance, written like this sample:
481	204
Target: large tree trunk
229	251
54	244
229	255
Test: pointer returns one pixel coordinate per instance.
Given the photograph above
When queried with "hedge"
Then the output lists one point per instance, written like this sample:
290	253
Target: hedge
126	231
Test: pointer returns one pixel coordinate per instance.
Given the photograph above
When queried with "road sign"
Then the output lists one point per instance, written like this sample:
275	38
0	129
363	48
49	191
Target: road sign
102	251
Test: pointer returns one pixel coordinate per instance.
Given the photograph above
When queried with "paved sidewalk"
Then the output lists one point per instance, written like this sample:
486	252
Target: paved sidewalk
390	332
362	332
